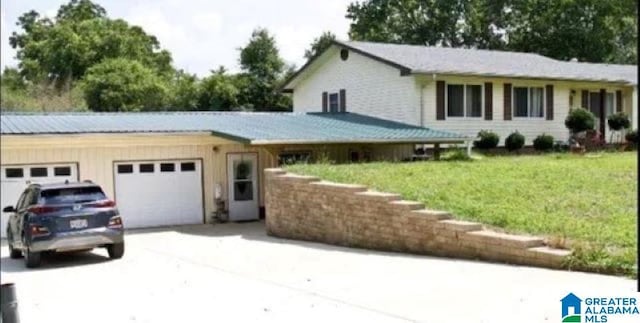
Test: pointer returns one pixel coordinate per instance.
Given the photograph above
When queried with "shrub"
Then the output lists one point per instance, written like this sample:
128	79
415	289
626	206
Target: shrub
579	120
632	137
618	121
514	141
456	154
543	142
488	139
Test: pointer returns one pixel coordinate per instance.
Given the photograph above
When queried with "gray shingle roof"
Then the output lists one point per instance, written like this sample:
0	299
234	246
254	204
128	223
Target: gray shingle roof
462	61
247	127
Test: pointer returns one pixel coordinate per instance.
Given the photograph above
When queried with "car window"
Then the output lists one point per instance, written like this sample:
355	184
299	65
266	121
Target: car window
70	195
32	198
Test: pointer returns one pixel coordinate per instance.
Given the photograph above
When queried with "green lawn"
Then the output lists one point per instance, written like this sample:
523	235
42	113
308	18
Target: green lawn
588	203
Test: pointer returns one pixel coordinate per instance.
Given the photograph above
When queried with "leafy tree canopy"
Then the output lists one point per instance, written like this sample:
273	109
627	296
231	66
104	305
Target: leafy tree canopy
80	37
589	30
121	84
320	44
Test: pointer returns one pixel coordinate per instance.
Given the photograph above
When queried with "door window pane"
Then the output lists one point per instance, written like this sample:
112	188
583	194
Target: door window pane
125	169
535	104
474	100
242	169
520	101
62	171
167	167
14	172
38	172
455	100
188	167
147	168
243	191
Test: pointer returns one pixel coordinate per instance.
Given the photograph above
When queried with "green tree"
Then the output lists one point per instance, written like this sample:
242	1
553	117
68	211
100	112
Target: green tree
320	44
124	85
184	91
263	70
80	37
218	92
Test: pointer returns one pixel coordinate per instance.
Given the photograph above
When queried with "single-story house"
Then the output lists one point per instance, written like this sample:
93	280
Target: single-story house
170	168
462	90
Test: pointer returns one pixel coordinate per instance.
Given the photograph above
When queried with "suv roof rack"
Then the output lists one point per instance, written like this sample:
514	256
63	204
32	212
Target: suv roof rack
87	181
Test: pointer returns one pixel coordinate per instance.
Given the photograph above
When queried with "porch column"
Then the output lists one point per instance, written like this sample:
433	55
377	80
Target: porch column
634	108
436	151
603	116
468	142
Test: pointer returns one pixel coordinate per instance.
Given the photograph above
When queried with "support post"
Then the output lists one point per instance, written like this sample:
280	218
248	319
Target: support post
468	142
436	151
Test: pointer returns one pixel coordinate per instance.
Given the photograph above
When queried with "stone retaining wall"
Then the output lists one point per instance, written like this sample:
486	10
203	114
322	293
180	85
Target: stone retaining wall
307	208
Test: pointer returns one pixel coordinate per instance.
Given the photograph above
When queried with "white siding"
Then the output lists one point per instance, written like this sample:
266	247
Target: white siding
373	88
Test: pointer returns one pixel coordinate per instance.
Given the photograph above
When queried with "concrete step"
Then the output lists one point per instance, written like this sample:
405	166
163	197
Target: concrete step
504	239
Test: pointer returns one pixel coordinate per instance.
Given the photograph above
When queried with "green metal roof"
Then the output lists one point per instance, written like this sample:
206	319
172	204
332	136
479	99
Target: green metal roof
247	127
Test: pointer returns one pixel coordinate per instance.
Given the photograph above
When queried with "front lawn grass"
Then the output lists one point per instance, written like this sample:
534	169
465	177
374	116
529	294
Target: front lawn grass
587	203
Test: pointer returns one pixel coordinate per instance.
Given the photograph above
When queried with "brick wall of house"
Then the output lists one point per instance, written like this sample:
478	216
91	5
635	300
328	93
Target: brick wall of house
306	208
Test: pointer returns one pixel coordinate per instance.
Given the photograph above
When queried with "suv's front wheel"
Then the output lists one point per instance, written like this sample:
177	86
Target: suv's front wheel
116	250
31	259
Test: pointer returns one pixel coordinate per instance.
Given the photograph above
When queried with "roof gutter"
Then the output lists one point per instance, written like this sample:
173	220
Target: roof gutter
454	73
362	141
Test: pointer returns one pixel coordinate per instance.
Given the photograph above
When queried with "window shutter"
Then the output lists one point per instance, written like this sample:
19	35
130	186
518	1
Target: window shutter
488	101
507	101
618	101
343	100
603	112
549	89
325	101
439	100
585	99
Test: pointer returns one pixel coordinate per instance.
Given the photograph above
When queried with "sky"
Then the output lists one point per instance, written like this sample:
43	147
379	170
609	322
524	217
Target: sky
204	34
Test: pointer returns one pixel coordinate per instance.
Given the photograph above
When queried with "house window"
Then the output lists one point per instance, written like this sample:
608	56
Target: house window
146	168
167	167
333	102
464	100
609	104
62	171
14	172
528	102
38	172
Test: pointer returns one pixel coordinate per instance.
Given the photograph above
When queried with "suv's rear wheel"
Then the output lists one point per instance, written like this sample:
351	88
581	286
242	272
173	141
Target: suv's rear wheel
116	250
31	259
13	253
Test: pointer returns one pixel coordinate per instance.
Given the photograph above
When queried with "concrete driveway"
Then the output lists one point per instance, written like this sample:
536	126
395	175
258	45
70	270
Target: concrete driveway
235	273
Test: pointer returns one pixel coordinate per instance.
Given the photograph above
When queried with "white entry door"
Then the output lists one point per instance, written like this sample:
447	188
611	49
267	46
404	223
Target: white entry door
242	172
159	193
14	179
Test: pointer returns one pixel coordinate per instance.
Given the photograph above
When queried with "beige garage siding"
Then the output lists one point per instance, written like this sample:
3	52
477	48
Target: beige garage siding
96	154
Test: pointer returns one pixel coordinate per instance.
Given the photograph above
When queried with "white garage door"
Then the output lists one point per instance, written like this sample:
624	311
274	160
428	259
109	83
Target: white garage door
14	180
159	193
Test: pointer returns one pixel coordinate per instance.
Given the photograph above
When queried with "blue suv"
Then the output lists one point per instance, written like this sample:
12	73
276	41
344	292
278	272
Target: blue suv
63	217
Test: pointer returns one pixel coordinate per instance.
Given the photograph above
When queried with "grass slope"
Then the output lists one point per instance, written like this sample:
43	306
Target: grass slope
588	203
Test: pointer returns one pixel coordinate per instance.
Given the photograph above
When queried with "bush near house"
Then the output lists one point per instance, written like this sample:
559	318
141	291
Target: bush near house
543	142
632	137
514	141
579	120
487	140
618	121
587	204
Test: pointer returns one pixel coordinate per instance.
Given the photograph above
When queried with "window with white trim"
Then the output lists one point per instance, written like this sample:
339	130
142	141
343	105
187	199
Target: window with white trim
528	102
464	100
333	102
